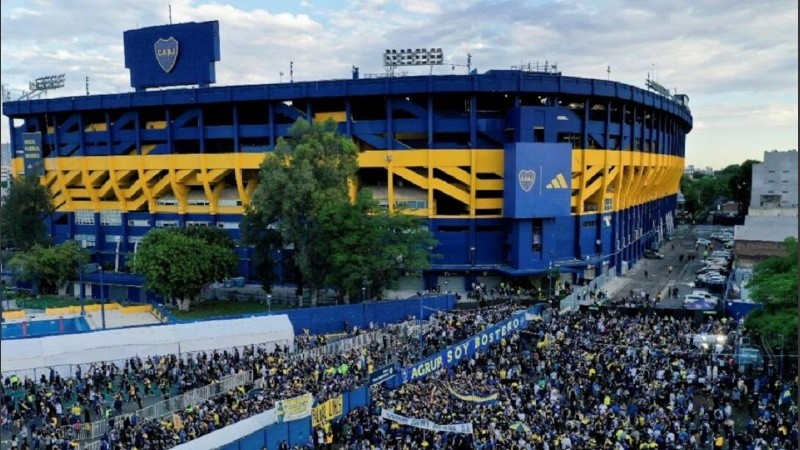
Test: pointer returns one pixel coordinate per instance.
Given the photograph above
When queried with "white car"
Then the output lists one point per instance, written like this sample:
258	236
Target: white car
702	241
700	296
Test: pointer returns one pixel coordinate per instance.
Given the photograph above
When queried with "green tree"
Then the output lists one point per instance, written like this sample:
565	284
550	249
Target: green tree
740	184
310	168
774	284
212	236
366	247
49	268
23	213
265	240
178	265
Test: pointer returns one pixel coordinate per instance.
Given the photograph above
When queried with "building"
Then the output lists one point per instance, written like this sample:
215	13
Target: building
775	181
772	216
515	171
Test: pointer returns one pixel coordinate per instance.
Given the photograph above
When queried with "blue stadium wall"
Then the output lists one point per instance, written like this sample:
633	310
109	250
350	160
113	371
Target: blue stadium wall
514	171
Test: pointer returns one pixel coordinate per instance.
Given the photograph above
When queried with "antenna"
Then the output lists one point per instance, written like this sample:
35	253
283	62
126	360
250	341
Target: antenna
291	71
608	72
87	85
469	62
170	13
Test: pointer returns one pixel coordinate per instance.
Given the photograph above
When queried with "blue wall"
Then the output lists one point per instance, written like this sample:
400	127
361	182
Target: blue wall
298	431
330	319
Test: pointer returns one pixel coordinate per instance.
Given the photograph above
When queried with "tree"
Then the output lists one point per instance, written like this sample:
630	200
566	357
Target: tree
740	184
310	168
23	213
212	236
266	240
368	248
774	284
178	264
49	268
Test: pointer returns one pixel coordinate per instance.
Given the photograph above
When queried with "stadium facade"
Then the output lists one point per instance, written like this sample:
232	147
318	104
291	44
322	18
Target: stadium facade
515	171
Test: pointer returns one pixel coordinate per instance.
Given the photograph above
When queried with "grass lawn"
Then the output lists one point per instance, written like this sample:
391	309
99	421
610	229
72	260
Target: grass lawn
50	302
216	308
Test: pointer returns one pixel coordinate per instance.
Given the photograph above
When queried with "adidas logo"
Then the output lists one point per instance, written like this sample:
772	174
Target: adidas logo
558	182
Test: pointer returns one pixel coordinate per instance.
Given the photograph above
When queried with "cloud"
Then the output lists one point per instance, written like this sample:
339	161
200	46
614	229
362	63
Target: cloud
727	56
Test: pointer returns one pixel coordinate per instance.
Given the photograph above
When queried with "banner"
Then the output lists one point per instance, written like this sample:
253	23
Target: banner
453	355
382	374
491	398
294	408
327	411
463	428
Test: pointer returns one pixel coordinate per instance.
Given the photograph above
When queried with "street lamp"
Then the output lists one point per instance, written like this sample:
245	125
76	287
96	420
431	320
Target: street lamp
80	278
269	303
102	299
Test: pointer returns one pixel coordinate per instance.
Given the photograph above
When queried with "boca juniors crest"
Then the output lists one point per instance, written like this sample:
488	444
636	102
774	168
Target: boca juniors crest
166	53
526	179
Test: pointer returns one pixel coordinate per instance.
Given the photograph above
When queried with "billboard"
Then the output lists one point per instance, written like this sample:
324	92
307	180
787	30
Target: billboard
32	154
538	180
172	55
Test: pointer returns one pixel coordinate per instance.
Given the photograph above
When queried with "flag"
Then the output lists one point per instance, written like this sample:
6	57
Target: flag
786	396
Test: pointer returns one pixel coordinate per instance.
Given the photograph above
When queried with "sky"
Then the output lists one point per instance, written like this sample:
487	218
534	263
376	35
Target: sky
737	61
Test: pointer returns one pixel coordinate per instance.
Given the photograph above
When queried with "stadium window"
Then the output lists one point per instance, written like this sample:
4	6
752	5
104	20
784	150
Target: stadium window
538	134
608	204
590	224
536	235
166	223
196	223
84	217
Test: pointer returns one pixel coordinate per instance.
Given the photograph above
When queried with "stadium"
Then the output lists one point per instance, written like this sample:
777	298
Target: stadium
516	171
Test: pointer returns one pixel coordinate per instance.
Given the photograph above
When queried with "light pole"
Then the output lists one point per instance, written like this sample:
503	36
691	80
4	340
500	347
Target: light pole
80	278
102	299
269	303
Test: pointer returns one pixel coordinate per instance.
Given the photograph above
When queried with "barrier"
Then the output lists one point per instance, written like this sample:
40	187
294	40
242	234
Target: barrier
331	319
97	429
17	314
454	354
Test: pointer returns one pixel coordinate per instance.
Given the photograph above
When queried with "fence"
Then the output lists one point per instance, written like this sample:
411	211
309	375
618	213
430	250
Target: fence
570	302
194	397
389	333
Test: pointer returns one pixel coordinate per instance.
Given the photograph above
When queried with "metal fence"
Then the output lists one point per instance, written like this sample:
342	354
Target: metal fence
98	428
570	302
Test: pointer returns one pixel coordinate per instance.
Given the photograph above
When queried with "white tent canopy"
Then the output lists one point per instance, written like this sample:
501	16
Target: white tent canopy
21	356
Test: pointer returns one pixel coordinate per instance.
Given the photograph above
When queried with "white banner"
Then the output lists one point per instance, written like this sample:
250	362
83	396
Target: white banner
294	408
464	428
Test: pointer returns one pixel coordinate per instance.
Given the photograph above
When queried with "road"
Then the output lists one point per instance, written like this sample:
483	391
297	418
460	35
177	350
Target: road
660	280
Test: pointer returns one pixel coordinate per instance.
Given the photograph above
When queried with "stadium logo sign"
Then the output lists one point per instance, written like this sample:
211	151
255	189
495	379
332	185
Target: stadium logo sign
526	179
166	53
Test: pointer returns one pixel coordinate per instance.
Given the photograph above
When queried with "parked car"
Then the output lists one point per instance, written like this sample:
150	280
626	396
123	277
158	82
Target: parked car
700	297
702	241
652	254
723	253
728	245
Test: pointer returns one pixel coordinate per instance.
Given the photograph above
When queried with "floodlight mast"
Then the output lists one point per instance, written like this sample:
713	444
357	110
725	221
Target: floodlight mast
41	85
393	58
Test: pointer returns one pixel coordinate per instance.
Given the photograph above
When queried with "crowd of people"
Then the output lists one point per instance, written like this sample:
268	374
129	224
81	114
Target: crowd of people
44	413
577	380
581	381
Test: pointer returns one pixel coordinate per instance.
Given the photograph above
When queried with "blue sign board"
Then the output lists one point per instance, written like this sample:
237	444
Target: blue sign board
538	180
32	154
456	353
172	55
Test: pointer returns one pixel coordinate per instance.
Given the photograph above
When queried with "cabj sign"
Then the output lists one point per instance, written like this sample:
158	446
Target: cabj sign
453	355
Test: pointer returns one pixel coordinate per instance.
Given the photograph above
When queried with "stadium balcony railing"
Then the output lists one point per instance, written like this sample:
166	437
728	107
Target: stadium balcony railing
98	428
